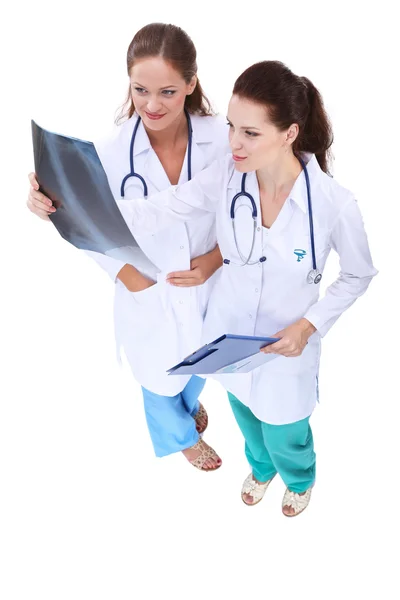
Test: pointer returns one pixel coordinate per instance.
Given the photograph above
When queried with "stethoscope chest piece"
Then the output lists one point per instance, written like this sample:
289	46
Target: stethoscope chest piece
314	276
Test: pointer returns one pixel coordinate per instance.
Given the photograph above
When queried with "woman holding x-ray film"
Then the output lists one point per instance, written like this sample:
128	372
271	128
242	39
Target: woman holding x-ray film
278	214
169	136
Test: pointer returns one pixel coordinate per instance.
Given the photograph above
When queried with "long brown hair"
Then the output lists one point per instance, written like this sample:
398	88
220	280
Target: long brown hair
175	46
290	99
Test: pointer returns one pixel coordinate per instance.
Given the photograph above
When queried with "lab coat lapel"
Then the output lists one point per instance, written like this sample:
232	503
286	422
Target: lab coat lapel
147	163
201	139
198	162
154	171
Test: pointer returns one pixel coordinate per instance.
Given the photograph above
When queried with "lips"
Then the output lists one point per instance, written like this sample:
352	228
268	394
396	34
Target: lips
238	158
154	117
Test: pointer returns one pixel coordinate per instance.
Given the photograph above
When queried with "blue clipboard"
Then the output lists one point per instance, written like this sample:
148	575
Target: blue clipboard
227	354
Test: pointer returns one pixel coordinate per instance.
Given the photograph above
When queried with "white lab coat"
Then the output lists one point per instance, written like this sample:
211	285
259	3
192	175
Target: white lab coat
263	298
159	326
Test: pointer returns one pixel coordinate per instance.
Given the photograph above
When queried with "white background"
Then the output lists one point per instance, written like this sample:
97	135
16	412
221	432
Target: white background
86	511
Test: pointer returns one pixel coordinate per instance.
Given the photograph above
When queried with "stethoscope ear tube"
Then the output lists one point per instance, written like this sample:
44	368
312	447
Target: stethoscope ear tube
314	275
244	260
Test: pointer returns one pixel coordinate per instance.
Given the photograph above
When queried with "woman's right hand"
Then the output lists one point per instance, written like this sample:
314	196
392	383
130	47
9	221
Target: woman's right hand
37	202
142	284
42	206
134	280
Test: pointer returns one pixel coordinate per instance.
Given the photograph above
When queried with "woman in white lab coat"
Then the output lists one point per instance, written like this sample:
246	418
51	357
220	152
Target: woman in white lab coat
280	137
155	323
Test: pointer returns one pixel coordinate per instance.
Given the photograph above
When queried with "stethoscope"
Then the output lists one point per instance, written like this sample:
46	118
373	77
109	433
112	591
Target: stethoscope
314	276
132	172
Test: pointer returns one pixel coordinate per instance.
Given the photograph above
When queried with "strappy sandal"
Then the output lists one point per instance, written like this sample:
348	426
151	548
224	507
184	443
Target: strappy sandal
206	453
201	413
296	501
254	489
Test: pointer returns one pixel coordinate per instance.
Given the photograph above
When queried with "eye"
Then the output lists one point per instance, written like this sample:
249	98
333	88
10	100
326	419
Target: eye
169	92
252	133
139	90
229	124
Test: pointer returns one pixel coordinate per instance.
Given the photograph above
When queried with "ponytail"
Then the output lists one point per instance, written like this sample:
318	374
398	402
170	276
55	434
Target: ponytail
290	99
316	136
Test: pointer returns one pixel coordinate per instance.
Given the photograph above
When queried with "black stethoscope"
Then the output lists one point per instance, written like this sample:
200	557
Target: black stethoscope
314	276
132	172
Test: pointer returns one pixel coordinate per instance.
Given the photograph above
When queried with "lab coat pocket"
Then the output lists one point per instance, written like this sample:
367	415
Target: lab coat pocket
150	295
302	242
299	253
322	245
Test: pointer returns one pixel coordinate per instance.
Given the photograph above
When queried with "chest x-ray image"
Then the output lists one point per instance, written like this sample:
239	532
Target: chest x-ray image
70	173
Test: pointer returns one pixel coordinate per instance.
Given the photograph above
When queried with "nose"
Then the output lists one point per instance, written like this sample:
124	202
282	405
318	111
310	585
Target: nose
154	105
235	142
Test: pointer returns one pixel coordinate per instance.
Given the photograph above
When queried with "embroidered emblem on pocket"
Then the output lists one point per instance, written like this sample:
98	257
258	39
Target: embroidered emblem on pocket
300	254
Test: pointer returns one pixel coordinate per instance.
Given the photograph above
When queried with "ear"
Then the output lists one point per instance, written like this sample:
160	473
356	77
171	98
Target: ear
192	85
291	134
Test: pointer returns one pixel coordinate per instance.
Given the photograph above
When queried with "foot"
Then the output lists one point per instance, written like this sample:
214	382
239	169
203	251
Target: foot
253	490
201	418
293	504
202	456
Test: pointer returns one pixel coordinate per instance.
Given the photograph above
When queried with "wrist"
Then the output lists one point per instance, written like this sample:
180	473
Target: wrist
307	327
130	277
217	256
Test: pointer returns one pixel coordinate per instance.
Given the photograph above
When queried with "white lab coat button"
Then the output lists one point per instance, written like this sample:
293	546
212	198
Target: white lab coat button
258	228
250	316
256	290
180	301
182	247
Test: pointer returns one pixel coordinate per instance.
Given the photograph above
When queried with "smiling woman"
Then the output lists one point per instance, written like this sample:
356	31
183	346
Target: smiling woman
161	41
162	81
166	122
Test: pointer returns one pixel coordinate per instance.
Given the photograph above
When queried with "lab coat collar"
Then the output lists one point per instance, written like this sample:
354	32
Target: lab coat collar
203	129
203	132
298	193
142	142
235	180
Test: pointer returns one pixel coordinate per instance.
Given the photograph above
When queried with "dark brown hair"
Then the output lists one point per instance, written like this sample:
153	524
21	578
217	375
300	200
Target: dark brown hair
175	46
290	99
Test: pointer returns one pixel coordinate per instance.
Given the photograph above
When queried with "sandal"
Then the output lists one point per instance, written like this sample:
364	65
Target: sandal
254	489
201	413
206	453
297	501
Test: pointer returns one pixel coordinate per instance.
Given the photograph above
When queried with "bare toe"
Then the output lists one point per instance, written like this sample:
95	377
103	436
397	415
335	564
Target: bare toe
288	510
247	499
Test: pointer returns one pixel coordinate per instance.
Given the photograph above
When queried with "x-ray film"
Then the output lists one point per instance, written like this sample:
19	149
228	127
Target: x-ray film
70	173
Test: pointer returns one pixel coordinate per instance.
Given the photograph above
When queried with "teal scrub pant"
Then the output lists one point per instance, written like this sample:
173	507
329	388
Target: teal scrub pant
271	449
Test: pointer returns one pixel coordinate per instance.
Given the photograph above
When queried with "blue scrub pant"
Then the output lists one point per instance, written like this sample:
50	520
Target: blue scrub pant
170	419
271	449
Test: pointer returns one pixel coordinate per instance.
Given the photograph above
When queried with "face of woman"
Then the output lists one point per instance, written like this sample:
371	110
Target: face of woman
158	92
255	142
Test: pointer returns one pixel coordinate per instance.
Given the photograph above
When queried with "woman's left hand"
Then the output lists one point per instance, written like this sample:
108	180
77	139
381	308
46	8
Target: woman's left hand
293	339
201	269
